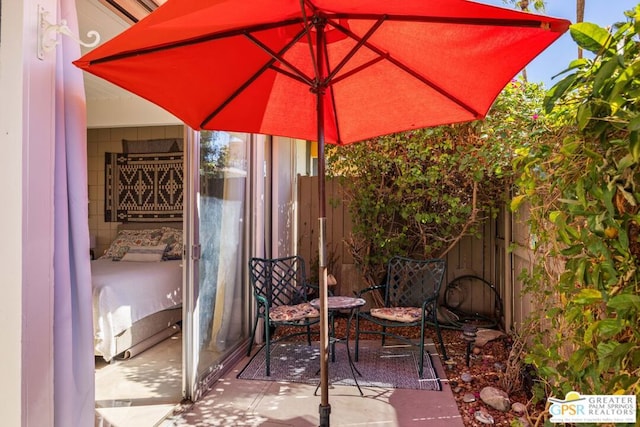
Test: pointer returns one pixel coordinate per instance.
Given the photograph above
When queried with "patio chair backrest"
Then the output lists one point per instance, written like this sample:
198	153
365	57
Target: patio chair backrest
279	281
410	281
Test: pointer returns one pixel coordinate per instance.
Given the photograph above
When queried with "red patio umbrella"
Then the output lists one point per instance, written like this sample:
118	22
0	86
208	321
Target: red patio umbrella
335	71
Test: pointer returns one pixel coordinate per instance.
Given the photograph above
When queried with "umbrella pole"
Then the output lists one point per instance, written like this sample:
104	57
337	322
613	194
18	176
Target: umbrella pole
325	407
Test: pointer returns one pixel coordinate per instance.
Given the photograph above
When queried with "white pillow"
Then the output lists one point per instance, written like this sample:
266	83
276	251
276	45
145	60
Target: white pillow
145	253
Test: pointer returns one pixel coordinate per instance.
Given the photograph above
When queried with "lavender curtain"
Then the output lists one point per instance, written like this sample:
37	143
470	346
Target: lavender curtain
73	320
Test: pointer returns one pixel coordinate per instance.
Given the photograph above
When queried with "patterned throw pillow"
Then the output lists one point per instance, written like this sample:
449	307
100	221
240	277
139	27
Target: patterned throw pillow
172	237
145	253
127	238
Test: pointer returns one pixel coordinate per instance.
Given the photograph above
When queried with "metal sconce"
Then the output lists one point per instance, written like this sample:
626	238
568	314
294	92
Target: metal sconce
48	33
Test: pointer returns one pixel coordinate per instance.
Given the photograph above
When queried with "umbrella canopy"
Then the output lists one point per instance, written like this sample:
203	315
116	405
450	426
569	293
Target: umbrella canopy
390	65
335	71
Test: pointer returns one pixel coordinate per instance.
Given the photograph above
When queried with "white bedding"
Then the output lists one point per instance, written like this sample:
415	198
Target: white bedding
125	292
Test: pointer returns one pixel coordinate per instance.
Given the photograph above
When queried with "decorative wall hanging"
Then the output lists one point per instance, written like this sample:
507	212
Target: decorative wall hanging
166	145
144	187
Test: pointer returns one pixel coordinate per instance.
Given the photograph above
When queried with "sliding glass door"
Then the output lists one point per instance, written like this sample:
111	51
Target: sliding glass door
217	299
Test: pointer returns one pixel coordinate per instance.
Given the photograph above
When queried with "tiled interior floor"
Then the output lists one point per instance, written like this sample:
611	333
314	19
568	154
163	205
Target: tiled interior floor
141	391
233	402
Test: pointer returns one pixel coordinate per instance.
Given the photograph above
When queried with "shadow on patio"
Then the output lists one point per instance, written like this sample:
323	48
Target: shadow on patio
236	402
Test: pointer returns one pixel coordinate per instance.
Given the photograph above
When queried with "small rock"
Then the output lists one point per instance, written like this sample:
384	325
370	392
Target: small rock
457	389
483	417
483	336
466	377
499	366
496	398
519	408
468	398
476	350
524	422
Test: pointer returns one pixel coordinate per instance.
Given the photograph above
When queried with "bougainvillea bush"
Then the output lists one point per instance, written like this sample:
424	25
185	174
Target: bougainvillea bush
417	193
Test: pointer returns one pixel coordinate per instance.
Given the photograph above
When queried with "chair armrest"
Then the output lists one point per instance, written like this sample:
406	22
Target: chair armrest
370	289
430	300
261	300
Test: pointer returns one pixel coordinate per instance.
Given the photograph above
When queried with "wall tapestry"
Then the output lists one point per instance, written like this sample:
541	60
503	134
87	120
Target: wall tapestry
166	145
143	187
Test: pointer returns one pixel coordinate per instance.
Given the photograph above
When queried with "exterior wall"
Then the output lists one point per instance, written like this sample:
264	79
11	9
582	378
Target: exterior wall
26	255
106	140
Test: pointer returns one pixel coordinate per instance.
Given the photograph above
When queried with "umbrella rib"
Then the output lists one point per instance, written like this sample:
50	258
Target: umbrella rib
250	80
497	22
356	48
291	75
277	56
308	34
329	85
356	70
200	39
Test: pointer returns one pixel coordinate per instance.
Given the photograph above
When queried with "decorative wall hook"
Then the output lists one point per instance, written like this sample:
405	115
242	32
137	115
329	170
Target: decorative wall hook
48	33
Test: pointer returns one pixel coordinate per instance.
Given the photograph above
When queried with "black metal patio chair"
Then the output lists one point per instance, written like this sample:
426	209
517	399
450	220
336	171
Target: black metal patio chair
411	292
281	292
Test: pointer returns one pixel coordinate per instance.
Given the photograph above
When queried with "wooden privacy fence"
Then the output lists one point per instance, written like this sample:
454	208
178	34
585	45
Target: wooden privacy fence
485	257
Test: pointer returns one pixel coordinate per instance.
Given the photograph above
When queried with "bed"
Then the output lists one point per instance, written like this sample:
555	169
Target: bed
137	289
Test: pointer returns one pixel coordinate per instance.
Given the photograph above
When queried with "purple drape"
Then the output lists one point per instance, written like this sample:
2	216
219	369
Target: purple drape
73	320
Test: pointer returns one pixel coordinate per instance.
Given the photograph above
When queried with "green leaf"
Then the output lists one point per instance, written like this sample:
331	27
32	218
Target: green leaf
588	296
624	163
634	142
609	327
584	115
604	74
580	193
582	267
579	359
590	36
611	354
516	202
571	250
624	303
634	125
624	79
557	217
605	349
558	91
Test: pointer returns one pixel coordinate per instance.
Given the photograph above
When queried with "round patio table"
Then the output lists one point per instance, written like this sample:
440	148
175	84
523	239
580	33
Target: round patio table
335	304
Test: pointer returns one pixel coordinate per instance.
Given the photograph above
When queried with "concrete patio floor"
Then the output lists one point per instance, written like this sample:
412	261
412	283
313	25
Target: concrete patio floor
235	402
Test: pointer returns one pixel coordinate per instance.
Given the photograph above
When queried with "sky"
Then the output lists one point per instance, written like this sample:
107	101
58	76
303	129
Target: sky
557	57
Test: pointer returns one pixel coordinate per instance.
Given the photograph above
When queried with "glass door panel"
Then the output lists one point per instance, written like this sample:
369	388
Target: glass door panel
223	180
217	227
